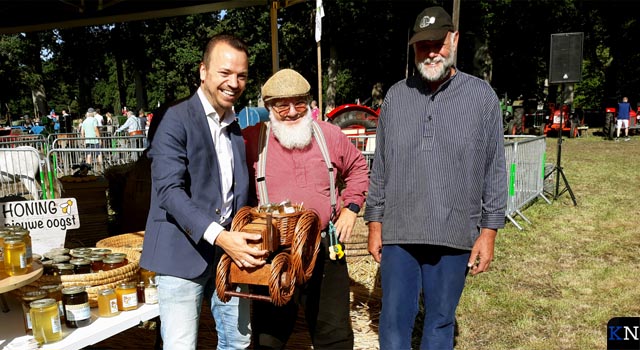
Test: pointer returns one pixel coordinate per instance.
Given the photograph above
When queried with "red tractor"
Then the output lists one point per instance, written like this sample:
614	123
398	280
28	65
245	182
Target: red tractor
563	121
610	115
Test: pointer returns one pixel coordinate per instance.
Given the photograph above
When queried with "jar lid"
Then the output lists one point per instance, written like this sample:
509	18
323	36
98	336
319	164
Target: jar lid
96	257
81	250
21	233
73	290
117	255
106	291
60	258
64	266
34	295
112	260
42	303
51	288
17	228
80	262
102	251
127	285
13	239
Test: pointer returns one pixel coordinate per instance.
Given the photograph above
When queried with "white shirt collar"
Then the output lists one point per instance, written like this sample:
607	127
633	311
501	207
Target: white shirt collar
209	111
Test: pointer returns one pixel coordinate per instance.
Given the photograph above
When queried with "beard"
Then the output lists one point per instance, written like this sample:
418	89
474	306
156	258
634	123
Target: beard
439	72
292	136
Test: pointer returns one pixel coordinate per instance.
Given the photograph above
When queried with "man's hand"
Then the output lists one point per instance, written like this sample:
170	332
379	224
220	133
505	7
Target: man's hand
344	225
375	240
482	251
235	245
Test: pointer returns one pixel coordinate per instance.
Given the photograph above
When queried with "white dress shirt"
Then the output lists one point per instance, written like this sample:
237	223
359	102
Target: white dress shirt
224	152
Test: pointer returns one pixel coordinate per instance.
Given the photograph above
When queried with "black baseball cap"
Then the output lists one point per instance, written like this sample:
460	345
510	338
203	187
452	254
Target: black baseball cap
433	23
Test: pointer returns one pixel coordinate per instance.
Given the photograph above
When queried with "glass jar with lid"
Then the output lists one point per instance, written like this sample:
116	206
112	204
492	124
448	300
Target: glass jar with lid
3	233
15	256
61	259
96	262
127	296
28	298
119	255
63	269
107	303
77	311
45	321
26	238
111	263
81	265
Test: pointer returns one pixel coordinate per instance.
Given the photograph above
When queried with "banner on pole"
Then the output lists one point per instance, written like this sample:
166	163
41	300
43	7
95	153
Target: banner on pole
319	15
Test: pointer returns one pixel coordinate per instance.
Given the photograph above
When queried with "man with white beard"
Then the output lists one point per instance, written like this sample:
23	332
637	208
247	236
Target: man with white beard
438	188
296	169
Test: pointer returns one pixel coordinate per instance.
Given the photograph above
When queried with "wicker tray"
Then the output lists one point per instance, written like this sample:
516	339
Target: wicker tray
93	282
127	240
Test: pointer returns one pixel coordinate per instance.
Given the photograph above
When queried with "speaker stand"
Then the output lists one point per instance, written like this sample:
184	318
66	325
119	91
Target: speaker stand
558	168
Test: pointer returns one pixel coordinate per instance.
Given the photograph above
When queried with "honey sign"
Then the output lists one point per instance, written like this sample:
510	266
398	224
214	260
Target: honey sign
47	220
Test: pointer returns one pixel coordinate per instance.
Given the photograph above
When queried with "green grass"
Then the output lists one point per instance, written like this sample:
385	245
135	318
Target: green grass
556	284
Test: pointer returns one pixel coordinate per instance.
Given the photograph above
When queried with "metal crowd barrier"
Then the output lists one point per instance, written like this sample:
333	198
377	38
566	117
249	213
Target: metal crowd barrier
525	158
22	172
366	144
36	141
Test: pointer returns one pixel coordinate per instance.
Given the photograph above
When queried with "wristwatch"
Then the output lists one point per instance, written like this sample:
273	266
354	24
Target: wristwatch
353	207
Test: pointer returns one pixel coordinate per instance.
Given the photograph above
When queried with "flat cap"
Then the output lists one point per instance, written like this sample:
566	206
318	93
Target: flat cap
285	83
432	23
90	110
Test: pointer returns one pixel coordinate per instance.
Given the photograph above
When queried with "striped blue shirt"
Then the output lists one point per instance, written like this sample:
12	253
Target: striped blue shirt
439	171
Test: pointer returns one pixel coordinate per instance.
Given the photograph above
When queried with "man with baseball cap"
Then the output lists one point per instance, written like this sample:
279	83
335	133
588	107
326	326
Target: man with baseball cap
437	193
298	159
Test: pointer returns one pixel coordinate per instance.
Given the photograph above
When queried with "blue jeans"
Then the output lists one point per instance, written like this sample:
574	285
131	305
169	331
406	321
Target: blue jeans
440	273
180	303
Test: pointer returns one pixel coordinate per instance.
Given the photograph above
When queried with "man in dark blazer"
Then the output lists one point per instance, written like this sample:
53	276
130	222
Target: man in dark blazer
199	180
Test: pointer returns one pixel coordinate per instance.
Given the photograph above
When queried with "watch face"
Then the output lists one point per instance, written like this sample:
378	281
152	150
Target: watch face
354	207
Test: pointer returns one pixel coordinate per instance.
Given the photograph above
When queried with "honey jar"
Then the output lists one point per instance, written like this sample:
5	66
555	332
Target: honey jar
119	255
146	276
77	311
45	321
27	299
81	265
127	294
108	303
96	262
26	238
15	256
111	263
2	235
62	269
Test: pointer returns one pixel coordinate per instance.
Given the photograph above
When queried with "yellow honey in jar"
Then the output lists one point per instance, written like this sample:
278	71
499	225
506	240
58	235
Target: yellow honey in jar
15	256
107	303
127	294
45	321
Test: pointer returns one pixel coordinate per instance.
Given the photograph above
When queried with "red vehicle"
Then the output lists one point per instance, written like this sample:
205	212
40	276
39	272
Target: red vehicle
564	120
610	114
355	119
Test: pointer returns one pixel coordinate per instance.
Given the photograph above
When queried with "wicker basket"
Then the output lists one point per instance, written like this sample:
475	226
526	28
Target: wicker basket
285	223
93	282
127	240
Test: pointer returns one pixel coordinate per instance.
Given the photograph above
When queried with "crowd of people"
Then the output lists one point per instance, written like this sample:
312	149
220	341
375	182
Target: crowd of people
435	198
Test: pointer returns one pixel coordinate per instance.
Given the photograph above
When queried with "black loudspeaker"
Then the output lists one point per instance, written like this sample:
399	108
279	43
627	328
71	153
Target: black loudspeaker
565	63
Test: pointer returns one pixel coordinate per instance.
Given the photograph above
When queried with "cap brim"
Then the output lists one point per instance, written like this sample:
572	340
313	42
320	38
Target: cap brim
435	34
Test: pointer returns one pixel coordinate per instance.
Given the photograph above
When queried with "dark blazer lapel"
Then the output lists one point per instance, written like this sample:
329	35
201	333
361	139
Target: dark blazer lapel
203	132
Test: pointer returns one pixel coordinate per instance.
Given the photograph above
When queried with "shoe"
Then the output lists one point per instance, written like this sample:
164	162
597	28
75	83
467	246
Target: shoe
627	138
617	139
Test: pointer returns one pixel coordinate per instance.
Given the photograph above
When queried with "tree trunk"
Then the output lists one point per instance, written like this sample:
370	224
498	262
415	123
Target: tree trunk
332	69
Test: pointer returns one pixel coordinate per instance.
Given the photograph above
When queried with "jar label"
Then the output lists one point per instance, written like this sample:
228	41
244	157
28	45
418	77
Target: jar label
56	327
151	295
129	300
113	306
23	261
78	312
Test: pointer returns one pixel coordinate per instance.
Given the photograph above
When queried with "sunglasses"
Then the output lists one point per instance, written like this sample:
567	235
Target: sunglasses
283	108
